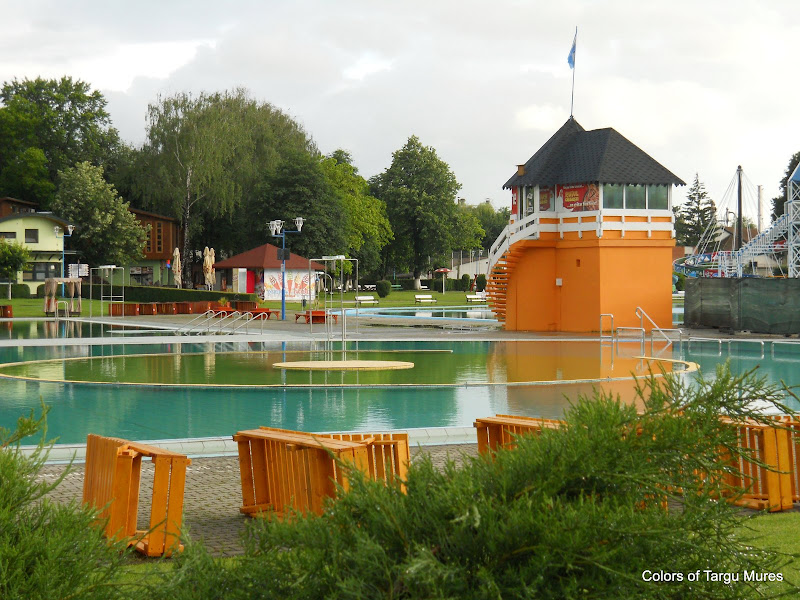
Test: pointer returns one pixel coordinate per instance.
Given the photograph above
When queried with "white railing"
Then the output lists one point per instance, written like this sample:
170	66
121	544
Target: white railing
594	221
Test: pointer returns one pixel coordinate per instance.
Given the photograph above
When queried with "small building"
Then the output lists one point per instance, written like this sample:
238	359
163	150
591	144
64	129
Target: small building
258	271
591	234
13	206
165	235
37	232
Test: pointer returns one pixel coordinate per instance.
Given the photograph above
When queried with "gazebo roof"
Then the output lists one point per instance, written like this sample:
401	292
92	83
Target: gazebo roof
574	155
266	257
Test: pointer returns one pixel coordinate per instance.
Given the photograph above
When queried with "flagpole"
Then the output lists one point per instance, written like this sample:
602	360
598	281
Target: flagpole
572	98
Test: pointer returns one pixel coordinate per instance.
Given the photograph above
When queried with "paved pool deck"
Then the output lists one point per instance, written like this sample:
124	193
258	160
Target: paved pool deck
213	494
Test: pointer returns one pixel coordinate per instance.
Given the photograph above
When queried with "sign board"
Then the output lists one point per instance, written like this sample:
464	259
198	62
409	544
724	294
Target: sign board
578	197
283	254
76	271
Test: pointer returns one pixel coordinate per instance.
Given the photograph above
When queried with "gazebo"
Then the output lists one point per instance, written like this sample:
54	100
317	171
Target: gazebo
259	271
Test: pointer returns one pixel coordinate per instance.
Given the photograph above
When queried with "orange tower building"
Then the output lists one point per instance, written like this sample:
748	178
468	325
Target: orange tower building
591	234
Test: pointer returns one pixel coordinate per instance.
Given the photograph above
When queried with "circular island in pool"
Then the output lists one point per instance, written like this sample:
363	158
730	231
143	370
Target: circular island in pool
344	365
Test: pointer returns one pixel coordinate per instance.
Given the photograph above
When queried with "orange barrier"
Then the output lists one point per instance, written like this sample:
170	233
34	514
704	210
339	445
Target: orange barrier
118	309
111	485
774	486
769	486
283	470
500	430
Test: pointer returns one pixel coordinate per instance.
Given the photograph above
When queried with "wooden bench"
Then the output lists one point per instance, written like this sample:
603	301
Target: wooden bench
396	286
262	313
283	470
424	298
314	316
479	297
365	300
111	485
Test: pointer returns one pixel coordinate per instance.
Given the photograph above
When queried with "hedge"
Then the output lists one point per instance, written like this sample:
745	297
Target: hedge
383	288
146	293
20	290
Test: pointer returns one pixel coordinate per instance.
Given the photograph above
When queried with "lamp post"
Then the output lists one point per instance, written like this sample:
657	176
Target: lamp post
276	229
57	231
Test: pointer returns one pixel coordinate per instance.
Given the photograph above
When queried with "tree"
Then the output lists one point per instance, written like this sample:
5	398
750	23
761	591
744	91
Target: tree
492	221
62	121
695	215
779	201
467	231
367	228
106	231
299	188
420	192
13	257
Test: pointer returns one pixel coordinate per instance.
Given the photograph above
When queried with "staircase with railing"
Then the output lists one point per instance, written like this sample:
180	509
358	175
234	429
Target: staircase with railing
732	263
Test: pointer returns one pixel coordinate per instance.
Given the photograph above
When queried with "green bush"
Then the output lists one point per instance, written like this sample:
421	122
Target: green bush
576	512
466	282
680	285
383	288
480	283
146	293
48	550
407	284
20	290
40	291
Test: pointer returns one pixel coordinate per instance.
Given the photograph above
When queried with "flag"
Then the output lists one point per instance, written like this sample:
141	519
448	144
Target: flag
571	57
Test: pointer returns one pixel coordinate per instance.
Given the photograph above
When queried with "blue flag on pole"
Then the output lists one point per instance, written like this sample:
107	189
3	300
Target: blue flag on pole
571	57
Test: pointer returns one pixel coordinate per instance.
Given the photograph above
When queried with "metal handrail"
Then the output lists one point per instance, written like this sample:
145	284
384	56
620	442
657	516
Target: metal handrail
611	336
186	326
66	308
231	315
641	336
248	318
640	312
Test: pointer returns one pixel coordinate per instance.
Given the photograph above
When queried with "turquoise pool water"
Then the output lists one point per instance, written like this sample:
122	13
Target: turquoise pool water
485	378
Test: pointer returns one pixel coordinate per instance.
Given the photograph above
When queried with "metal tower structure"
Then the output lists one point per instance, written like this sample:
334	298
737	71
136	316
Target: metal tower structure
792	211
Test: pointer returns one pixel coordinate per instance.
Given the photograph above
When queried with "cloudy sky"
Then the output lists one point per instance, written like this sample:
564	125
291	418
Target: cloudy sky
702	86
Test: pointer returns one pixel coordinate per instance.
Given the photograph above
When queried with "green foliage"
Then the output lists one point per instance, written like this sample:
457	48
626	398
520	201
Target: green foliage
107	232
466	282
420	192
149	293
47	550
383	288
680	285
40	291
299	188
695	215
779	202
575	512
480	283
20	290
13	257
367	228
49	125
491	221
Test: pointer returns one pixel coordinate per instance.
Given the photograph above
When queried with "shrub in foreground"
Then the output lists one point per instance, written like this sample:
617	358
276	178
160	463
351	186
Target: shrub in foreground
585	511
47	550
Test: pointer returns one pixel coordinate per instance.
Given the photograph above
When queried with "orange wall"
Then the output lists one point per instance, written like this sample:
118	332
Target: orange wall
598	276
532	301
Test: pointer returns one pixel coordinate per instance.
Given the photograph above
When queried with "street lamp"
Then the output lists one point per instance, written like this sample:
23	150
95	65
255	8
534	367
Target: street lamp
276	229
57	231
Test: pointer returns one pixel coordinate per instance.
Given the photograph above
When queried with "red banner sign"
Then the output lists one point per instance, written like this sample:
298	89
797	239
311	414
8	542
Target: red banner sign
578	197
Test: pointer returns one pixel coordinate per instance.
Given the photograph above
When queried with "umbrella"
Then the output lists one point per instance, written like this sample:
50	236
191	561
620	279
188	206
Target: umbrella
208	267
444	271
176	267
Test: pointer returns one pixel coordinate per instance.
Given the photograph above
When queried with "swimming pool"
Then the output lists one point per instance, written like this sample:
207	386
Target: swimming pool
452	384
38	329
462	313
168	391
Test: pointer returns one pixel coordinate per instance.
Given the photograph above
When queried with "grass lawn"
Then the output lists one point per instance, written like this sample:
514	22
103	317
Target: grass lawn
776	531
34	307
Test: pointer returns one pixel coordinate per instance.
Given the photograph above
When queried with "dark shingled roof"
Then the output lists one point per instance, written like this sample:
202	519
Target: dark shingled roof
574	155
